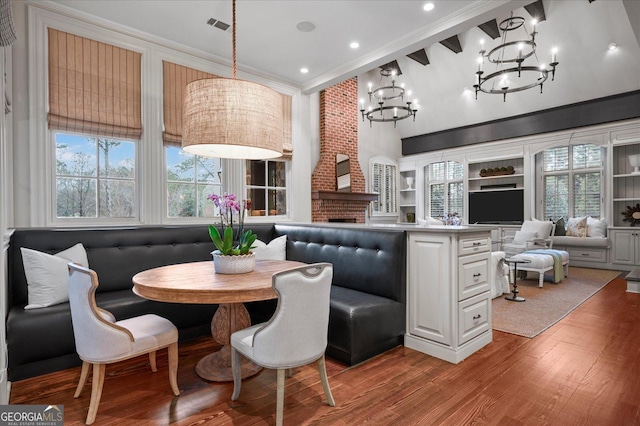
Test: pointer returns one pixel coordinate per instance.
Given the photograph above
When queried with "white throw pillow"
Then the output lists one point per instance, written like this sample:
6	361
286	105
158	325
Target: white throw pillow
596	227
429	221
47	274
275	250
521	237
542	228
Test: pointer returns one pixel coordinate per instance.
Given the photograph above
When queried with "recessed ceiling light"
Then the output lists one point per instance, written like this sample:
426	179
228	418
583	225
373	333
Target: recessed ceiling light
304	70
428	6
305	26
354	45
613	46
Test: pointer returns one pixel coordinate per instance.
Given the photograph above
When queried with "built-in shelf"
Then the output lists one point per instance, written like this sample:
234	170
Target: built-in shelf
499	176
496	189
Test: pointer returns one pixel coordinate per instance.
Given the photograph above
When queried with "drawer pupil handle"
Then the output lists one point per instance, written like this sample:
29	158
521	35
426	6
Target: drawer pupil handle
477	317
477	244
585	254
477	275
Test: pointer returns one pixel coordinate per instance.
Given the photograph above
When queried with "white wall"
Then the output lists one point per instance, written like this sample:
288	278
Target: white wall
375	140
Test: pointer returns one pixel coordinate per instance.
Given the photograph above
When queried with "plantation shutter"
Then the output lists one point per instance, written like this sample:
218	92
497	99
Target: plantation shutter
94	87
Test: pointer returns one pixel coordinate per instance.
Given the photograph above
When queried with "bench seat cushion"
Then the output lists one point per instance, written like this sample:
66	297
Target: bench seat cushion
44	345
561	241
361	324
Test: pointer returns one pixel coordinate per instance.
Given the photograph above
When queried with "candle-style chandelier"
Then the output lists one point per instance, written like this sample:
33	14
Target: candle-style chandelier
387	112
511	74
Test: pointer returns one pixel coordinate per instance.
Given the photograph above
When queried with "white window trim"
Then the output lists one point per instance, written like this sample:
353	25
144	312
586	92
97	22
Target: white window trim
570	172
150	161
388	162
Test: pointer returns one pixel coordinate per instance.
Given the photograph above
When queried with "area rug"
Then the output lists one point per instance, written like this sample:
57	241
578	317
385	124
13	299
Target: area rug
547	305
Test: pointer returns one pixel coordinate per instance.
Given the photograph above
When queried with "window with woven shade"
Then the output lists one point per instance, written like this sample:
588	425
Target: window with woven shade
94	87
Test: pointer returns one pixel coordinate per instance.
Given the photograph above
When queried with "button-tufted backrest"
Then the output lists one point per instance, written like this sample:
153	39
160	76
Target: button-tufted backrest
368	260
116	254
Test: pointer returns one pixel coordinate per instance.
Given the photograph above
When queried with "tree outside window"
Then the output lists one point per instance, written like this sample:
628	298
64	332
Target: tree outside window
95	177
190	179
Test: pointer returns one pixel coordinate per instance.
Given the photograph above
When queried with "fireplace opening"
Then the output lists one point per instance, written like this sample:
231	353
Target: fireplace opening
343	220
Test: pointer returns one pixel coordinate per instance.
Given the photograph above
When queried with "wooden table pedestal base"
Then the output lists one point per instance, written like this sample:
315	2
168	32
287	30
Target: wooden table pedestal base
216	367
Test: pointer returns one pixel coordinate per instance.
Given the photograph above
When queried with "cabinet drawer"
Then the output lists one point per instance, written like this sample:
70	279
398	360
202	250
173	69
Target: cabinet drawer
593	255
473	275
473	317
473	245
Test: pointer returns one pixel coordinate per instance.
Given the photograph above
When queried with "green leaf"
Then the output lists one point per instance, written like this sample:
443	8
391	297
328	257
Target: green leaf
215	237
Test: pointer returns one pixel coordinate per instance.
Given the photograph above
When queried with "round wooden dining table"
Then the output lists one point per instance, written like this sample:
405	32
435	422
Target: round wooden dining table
198	282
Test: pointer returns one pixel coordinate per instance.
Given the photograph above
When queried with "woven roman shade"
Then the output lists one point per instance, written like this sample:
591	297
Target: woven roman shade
94	87
175	79
287	143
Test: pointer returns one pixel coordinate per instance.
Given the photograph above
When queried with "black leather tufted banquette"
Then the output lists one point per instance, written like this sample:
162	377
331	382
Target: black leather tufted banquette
367	298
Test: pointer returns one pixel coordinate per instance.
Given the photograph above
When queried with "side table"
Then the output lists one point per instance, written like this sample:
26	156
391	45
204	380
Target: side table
514	261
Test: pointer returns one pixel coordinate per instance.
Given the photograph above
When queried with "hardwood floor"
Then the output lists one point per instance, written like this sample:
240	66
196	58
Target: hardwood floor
585	370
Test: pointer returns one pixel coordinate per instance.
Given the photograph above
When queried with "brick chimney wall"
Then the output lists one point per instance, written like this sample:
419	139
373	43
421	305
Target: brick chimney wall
338	135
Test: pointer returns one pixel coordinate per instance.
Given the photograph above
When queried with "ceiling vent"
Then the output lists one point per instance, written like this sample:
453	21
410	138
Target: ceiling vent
218	24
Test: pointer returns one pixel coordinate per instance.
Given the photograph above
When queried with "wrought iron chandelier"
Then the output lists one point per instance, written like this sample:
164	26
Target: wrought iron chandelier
511	74
388	112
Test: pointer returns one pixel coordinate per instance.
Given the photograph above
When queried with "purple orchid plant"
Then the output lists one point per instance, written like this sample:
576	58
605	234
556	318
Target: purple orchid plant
227	243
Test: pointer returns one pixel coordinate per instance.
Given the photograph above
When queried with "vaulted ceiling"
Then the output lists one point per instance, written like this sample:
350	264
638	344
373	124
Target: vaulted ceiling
436	50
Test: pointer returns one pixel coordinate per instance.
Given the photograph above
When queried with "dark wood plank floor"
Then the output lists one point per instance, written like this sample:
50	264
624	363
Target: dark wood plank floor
585	370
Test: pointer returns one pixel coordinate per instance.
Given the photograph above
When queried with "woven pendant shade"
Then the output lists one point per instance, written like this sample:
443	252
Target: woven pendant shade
229	118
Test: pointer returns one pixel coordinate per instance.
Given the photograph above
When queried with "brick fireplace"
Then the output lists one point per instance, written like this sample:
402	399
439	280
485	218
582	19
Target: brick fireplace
339	135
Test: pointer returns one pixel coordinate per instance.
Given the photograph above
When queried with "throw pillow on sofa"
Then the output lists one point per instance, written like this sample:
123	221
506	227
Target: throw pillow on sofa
275	250
596	227
560	230
521	237
47	274
577	227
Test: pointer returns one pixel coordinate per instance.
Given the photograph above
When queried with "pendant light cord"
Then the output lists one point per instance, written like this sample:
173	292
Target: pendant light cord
234	39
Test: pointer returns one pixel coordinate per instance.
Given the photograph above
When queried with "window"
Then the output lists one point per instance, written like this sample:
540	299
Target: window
383	182
445	188
572	181
266	187
95	177
190	180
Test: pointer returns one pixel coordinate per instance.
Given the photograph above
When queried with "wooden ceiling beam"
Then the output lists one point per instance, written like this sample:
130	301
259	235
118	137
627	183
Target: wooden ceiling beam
453	44
420	56
536	10
490	28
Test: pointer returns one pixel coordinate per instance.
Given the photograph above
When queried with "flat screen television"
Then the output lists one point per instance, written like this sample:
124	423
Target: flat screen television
504	207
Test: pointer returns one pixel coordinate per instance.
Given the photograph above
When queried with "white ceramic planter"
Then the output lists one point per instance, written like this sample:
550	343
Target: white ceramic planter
233	264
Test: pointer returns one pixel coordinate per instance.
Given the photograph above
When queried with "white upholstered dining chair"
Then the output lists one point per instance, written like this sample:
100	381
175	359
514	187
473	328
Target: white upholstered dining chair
295	335
101	340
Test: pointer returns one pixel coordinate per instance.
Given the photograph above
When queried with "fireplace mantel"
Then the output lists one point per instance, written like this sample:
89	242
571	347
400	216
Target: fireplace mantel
343	196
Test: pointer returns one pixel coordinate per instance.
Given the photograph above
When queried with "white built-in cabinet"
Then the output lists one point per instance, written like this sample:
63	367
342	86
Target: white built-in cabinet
625	187
496	174
448	300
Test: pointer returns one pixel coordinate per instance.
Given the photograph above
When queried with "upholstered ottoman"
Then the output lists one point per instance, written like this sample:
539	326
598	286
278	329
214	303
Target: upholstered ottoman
545	260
